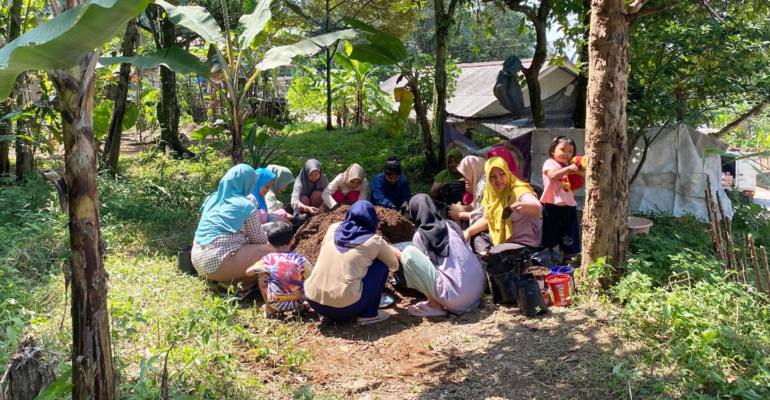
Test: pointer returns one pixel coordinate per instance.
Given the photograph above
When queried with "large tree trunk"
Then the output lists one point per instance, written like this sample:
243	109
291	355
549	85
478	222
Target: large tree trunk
329	59
24	157
92	369
443	21
115	133
581	89
605	215
168	107
237	132
5	146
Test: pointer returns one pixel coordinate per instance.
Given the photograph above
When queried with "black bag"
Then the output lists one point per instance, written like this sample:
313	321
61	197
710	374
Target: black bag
503	263
531	302
184	261
453	192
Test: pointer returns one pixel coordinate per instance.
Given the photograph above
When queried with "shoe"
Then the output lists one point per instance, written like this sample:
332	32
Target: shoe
381	316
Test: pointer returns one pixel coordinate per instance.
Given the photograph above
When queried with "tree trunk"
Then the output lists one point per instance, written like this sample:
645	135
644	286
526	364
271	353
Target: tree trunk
237	133
329	126
605	215
168	107
581	89
24	158
5	146
92	369
422	118
443	21
360	104
532	74
112	146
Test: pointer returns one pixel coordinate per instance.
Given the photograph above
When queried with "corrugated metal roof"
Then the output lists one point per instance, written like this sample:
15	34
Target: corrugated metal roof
475	85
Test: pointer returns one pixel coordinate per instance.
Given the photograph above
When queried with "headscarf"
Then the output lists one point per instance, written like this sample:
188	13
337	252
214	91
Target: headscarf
309	187
229	207
359	225
495	202
472	168
354	171
506	155
283	177
431	227
264	176
446	175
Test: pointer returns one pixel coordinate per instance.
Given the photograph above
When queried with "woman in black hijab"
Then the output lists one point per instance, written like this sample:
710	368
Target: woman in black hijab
440	264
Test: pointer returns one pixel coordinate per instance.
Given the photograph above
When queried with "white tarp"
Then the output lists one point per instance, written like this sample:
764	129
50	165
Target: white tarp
673	177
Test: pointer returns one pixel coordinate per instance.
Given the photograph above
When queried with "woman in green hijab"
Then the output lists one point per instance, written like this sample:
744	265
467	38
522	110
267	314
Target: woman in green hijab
449	174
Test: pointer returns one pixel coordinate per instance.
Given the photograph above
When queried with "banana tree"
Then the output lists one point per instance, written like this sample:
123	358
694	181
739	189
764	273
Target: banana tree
64	47
360	72
231	69
388	50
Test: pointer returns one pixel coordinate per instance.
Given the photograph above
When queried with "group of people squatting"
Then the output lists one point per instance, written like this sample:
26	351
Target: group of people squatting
244	237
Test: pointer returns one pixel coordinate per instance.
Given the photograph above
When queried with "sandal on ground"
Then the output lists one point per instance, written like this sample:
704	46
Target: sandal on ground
423	310
381	316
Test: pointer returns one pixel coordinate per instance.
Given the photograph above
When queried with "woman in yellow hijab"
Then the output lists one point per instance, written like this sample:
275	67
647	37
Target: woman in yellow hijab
512	212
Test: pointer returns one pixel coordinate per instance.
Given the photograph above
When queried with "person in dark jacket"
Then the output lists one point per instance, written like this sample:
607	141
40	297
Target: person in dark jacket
390	188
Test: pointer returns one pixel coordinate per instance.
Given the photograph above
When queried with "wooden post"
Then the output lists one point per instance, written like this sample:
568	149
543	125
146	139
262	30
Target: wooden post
757	273
716	233
730	249
767	269
745	260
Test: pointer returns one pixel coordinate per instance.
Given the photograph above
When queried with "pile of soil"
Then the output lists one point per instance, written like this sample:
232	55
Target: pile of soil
539	272
394	227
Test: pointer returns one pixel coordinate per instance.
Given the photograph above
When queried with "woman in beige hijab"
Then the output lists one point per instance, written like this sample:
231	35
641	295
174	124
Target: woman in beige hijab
350	185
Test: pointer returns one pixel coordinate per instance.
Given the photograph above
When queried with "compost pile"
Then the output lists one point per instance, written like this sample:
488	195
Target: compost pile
394	227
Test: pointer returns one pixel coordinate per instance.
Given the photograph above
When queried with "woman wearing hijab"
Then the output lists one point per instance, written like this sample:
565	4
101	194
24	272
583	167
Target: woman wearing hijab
472	168
283	178
390	188
352	268
230	238
265	180
307	196
440	264
350	185
506	192
506	155
449	174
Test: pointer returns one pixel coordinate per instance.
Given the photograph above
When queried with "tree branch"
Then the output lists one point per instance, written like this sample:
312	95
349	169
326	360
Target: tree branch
713	12
645	13
634	7
752	113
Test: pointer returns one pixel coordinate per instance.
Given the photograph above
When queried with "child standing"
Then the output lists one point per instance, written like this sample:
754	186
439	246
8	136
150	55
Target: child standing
560	223
282	273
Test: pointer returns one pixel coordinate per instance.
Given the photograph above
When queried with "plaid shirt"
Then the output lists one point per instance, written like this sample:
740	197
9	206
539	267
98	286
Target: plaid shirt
207	259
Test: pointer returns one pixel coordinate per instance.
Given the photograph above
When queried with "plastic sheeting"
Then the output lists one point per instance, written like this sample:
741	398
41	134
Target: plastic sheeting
673	177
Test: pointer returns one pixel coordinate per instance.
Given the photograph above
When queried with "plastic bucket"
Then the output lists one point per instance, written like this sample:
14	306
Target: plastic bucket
560	289
566	271
540	274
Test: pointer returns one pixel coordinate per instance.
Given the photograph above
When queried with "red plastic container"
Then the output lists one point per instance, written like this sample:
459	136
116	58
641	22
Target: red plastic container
560	290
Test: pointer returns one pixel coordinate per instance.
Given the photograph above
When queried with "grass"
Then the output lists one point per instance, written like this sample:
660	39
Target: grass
698	339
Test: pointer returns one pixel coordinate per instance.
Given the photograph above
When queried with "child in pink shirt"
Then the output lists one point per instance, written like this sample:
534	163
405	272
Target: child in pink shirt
560	223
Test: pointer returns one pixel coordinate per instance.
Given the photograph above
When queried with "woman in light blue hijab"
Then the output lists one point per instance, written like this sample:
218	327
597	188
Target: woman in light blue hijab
230	238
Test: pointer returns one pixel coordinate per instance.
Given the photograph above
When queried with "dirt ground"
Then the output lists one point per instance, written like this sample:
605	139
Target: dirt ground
492	352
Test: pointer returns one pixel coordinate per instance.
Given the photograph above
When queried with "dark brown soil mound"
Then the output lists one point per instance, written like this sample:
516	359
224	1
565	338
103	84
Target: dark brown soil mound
307	241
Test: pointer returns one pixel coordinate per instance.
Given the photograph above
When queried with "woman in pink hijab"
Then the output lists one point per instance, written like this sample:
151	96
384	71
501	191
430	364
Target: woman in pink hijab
506	155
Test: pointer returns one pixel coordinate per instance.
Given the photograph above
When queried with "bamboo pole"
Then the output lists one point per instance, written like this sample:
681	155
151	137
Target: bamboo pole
730	249
714	222
757	273
745	260
767	269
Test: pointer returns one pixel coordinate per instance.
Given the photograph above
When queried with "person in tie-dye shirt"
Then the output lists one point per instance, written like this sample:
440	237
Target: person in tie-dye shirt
282	273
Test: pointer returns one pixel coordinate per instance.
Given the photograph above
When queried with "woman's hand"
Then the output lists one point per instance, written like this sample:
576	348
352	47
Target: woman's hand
467	235
396	252
455	215
527	208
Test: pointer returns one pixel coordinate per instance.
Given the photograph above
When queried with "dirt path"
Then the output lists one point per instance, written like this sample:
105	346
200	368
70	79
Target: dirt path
491	352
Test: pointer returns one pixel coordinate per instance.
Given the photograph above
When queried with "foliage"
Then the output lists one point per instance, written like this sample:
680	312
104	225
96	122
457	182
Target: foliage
699	65
482	34
754	135
62	42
